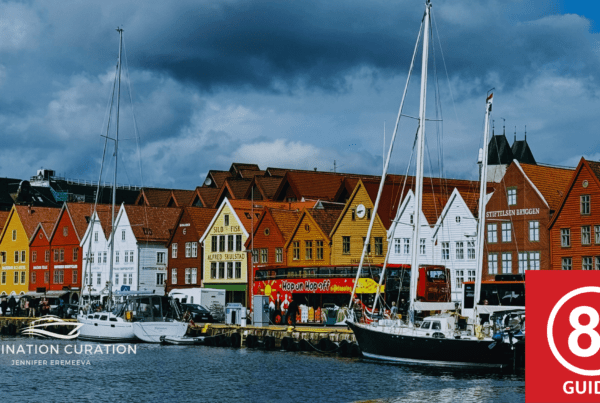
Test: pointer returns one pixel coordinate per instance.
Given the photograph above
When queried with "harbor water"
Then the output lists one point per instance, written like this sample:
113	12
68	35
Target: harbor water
153	373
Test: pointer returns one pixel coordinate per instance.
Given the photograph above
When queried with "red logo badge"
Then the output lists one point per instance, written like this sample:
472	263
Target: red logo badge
562	342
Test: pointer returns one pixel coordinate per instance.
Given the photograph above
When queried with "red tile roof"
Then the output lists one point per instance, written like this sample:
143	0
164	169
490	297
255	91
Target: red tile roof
153	197
250	173
32	216
152	224
183	197
325	218
218	177
201	217
103	211
285	221
207	195
551	181
266	185
81	214
3	217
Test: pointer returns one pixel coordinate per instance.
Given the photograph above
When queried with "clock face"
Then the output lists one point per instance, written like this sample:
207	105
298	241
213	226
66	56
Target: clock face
360	211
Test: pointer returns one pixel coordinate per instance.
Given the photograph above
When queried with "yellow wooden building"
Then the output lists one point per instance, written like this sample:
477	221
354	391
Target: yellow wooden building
349	232
14	246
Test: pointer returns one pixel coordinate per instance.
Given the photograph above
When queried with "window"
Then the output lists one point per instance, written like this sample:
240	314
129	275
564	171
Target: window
16	256
33	256
33	277
264	255
422	248
47	257
98	278
506	263
586	238
378	246
254	255
194	249
346	245
319	250
368	245
597	233
278	255
117	279
512	196
58	276
585	204
46	277
16	278
188	276
117	256
160	257
96	236
65	231
586	263
492	233
213	243
23	277
493	263
160	279
173	276
226	220
4	257
104	256
470	275
229	269
194	276
130	275
238	269
397	246
308	250
92	257
471	249
238	243
353	212
62	255
174	251
460	278
406	246
534	231
126	257
597	266
188	249
296	250
460	250
122	235
74	277
506	231
565	237
567	263
445	250
221	243
14	235
75	254
529	261
213	270
56	256
221	269
412	219
4	277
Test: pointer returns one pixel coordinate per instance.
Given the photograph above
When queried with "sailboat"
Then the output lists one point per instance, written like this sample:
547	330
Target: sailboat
438	340
127	316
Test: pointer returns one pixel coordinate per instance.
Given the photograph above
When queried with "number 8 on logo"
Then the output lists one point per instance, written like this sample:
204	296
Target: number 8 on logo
587	329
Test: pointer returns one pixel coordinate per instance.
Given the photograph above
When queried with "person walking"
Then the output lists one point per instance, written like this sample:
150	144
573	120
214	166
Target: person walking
4	306
292	311
12	304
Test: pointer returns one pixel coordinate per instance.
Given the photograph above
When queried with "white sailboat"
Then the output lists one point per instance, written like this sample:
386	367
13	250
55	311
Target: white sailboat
131	316
438	340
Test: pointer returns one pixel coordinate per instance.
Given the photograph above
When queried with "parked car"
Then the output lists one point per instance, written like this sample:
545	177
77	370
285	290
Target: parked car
199	313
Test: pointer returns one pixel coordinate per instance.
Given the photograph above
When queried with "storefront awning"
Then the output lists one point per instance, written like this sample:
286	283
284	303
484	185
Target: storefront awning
228	287
51	294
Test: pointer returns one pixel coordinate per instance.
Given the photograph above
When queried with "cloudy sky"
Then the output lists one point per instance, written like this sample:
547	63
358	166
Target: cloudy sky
294	84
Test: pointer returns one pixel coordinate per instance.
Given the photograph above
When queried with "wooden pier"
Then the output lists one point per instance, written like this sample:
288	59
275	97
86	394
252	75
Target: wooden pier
12	325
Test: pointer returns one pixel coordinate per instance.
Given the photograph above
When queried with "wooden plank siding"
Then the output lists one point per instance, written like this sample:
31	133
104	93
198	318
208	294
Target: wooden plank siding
304	240
65	255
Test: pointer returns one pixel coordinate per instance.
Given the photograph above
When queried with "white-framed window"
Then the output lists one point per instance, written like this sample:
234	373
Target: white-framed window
123	235
319	249
506	231
222	243
213	243
264	254
160	279
422	246
221	269
173	276
534	231
130	278
586	237
397	246
188	276
213	270
116	278
506	263
230	242
255	254
194	275
104	257
529	261
512	196
493	263
91	256
460	250
492	233
98	278
226	220
470	275
96	236
471	249
229	269
597	263
445	250
278	255
160	257
174	251
460	278
194	249
586	263
565	237
188	249
406	246
117	256
238	243
597	233
585	204
14	235
238	269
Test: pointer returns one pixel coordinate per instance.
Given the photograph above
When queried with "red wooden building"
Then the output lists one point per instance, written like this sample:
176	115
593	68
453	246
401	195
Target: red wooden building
575	227
185	253
518	212
39	263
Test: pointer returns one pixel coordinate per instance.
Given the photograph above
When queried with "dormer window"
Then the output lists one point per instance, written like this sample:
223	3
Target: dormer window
226	220
122	235
512	196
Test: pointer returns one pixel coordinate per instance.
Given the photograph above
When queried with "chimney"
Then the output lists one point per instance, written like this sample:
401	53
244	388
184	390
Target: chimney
315	168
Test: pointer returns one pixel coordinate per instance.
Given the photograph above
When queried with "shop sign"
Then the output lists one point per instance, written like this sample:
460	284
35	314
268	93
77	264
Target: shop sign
220	230
509	213
226	256
315	286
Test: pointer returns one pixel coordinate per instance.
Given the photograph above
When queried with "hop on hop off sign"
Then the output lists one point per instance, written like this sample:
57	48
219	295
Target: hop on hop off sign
563	336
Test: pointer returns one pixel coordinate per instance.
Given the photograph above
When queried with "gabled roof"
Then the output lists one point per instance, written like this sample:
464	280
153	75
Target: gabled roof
237	168
233	188
285	221
521	152
153	197
325	218
206	195
200	217
152	224
216	179
499	151
310	185
103	211
250	173
45	227
31	216
266	185
181	198
551	182
80	214
3	217
244	223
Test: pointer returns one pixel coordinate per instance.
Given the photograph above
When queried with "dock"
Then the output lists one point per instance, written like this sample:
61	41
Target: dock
12	325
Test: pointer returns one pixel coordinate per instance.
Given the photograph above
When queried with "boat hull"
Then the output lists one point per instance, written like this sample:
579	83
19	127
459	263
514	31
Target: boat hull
106	331
151	332
411	349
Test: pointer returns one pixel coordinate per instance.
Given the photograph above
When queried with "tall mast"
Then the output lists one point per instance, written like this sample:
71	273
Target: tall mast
482	196
114	193
418	202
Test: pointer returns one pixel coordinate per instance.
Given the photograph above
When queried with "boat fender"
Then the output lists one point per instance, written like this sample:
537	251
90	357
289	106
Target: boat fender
438	335
498	336
478	332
